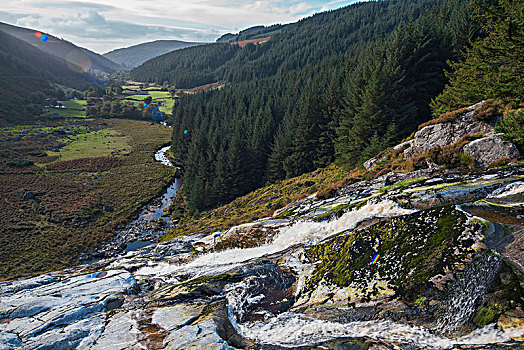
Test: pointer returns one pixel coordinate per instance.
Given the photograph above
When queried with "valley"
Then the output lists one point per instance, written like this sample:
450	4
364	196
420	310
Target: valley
70	185
353	179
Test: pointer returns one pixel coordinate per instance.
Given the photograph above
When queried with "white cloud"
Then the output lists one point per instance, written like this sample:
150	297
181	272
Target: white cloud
102	25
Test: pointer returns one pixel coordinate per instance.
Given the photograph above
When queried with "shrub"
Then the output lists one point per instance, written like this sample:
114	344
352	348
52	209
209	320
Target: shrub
444	118
38	153
512	125
19	163
501	162
487	112
327	192
451	157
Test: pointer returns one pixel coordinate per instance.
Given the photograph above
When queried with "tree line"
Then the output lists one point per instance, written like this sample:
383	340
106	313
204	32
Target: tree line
344	109
291	47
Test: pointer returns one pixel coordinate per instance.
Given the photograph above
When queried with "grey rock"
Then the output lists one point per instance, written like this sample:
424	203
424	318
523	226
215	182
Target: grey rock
442	134
29	195
61	314
489	149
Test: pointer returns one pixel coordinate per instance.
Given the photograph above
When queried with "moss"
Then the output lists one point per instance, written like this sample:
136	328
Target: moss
205	279
402	184
412	250
505	294
485	316
208	310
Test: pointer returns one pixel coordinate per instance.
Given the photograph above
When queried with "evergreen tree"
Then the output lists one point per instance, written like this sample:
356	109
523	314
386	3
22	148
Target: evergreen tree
494	66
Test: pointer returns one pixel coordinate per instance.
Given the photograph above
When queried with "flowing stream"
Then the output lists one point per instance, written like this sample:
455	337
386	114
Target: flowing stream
291	329
300	233
138	228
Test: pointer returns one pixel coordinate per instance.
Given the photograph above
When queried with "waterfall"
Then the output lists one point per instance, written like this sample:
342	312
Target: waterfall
471	285
292	330
304	232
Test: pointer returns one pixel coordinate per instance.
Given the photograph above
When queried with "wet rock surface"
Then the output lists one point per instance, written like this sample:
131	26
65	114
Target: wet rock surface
436	263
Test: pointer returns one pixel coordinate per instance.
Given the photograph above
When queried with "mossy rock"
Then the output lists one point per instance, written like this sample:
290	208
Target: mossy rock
413	249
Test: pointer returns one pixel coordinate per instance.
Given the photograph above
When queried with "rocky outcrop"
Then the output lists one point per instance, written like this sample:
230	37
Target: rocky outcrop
67	313
447	133
489	149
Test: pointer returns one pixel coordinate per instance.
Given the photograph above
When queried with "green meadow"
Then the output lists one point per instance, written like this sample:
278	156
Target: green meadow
94	144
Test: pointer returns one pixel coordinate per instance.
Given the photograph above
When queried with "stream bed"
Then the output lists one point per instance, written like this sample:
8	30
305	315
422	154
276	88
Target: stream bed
392	269
144	230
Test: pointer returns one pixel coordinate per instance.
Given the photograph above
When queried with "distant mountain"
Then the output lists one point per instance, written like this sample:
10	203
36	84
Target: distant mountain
27	75
90	62
134	56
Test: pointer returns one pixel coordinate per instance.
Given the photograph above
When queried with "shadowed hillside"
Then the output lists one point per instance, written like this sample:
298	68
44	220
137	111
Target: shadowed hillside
25	76
89	61
134	56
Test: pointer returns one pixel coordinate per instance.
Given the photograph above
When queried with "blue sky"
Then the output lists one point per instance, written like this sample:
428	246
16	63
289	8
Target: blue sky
103	25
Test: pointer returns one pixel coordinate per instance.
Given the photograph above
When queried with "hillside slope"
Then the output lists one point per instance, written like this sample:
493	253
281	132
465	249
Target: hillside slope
292	47
89	61
26	73
134	56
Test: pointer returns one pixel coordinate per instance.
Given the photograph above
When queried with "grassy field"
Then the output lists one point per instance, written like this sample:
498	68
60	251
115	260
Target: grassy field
100	143
163	99
74	109
51	213
76	104
167	106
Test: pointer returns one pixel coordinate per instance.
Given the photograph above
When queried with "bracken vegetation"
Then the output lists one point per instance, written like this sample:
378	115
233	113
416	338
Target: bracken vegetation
54	211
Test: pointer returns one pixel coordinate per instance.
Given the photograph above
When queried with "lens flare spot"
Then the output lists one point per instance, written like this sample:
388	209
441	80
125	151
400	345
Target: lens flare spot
38	35
186	132
44	38
146	105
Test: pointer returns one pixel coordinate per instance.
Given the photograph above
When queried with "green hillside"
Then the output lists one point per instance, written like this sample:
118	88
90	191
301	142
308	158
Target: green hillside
360	90
291	47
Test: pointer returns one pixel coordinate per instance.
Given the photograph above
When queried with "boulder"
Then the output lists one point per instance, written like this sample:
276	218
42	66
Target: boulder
447	133
489	149
513	319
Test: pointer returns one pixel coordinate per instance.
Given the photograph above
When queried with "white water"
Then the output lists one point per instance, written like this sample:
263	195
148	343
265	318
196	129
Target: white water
161	156
305	232
512	189
291	330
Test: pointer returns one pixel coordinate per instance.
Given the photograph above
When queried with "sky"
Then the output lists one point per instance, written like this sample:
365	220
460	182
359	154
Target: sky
104	25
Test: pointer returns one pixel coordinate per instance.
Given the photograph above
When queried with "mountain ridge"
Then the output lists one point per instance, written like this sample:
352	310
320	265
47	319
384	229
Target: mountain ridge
26	75
89	61
134	56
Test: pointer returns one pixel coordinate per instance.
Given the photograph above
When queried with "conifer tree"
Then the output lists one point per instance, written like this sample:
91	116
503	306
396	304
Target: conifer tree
494	66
